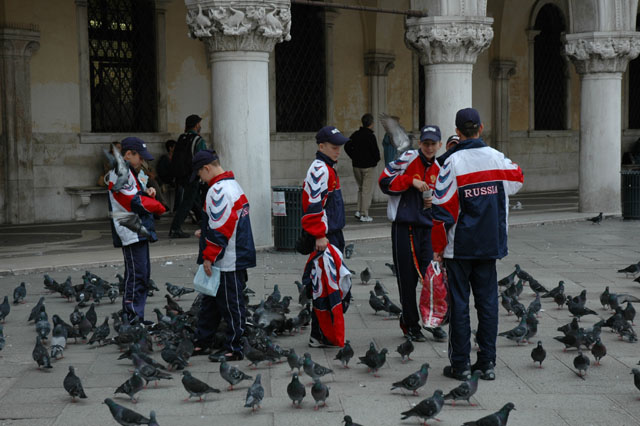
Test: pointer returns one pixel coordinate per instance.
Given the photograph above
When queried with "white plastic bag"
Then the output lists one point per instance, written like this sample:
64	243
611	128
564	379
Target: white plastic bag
207	284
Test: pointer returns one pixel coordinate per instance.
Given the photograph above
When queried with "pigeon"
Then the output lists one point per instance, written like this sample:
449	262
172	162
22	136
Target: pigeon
345	354
465	390
375	303
414	381
152	419
120	166
172	305
392	267
631	269
555	291
517	206
112	294
255	393
19	293
294	361
84	327
581	363
132	386
101	333
124	416
75	317
505	301
348	421
629	312
578	310
572	340
40	354
73	385
254	355
319	392
232	375
604	298
636	377
91	315
391	307
499	418
296	391
196	387
427	408
275	294
147	371
348	251
537	287
538	354
303	297
374	360
596	219
365	276
535	306
508	280
177	291
379	289
517	334
598	350
2	339
560	300
43	328
58	341
313	369
399	136
532	327
5	308
405	349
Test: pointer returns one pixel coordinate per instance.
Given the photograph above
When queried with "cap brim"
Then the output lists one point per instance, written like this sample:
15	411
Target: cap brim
338	140
146	155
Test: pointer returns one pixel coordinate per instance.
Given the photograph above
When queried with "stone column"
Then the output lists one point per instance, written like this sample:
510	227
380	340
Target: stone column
330	16
600	59
16	47
239	36
448	47
500	72
377	66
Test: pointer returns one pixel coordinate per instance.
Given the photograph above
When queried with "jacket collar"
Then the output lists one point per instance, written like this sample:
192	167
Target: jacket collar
423	158
466	144
222	176
322	157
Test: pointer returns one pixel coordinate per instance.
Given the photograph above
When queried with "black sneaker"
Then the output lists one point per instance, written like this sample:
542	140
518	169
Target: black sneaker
452	373
416	335
487	370
178	233
438	332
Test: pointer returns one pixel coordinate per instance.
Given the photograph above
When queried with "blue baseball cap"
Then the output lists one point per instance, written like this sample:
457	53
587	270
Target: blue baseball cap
201	159
468	119
332	135
430	132
138	145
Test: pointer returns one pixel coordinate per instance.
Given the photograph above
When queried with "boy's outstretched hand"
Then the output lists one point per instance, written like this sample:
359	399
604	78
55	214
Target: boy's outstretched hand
151	192
207	267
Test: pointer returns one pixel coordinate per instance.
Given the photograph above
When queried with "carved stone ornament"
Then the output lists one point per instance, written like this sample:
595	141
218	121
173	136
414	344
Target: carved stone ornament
602	52
447	42
377	63
240	25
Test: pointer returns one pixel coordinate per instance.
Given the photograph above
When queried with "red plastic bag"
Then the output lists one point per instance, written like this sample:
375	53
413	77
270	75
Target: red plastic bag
433	298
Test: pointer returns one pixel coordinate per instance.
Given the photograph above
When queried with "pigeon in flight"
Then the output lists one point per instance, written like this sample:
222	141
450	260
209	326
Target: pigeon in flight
117	162
399	136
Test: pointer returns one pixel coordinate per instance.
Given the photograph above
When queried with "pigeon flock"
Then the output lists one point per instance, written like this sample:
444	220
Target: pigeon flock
153	357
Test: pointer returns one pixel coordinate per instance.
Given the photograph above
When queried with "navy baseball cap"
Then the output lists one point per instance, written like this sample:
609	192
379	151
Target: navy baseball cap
430	132
332	135
138	145
468	119
201	159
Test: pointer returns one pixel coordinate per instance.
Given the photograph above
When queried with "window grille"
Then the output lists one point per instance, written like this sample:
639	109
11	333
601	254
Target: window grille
550	71
300	73
122	55
634	88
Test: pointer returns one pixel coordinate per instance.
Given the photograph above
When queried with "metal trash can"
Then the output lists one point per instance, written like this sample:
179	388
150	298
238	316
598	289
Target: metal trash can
286	229
630	193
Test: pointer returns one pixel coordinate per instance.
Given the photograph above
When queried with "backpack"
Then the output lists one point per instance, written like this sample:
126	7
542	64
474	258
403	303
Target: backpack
182	156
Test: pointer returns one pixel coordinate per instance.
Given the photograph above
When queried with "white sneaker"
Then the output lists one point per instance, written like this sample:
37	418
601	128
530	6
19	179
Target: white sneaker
366	219
357	215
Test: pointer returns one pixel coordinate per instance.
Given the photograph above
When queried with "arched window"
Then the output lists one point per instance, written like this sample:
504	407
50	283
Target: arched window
550	70
300	73
122	65
634	88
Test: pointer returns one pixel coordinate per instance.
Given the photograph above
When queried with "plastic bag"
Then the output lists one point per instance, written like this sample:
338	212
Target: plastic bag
433	298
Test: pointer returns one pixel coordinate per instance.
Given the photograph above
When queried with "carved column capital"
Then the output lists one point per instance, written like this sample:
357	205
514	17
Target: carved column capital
19	40
441	39
378	63
502	70
602	52
226	25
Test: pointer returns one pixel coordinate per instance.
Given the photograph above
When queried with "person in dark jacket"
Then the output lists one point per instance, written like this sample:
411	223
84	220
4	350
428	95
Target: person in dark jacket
409	181
363	150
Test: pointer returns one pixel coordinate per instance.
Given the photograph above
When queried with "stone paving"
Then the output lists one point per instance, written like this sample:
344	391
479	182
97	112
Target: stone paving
583	255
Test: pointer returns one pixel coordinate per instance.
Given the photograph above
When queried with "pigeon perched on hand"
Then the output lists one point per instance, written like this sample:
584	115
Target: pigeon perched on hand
427	408
125	416
255	393
414	381
132	222
345	354
232	374
73	385
19	293
120	166
296	391
538	354
465	390
499	418
196	387
132	386
319	392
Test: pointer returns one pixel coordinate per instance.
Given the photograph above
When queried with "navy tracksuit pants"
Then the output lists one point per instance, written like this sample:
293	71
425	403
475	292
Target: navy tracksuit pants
228	304
480	277
407	274
137	271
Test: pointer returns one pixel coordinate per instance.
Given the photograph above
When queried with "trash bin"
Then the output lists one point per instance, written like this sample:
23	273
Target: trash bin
286	229
630	193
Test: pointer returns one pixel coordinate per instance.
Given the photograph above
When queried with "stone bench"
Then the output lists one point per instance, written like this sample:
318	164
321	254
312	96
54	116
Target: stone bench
85	193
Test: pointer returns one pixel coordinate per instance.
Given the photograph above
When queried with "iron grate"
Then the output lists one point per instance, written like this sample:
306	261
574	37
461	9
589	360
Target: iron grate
634	88
122	55
300	73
